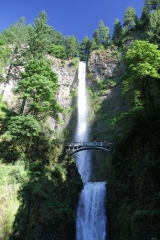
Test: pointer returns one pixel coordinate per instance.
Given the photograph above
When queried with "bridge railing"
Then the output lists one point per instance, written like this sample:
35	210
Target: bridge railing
89	144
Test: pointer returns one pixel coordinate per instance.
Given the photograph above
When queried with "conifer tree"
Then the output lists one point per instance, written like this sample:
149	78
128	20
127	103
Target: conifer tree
40	36
17	36
104	34
152	4
144	18
85	48
37	90
71	46
5	53
18	33
130	18
154	27
57	37
95	42
117	33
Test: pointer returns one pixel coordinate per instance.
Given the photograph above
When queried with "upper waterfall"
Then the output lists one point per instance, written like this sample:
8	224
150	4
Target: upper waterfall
83	158
82	104
91	213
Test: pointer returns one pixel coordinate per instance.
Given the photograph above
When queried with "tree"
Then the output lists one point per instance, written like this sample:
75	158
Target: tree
17	37
96	36
117	33
130	18
58	51
37	89
95	42
23	129
154	32
57	37
152	4
40	36
142	62
144	19
71	46
17	34
104	34
84	48
4	54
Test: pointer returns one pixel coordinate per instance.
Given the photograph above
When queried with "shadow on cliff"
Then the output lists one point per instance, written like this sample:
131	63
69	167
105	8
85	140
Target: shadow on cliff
132	172
49	198
105	104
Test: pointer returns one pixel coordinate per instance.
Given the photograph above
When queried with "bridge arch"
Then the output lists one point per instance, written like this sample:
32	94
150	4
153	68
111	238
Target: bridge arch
75	147
87	148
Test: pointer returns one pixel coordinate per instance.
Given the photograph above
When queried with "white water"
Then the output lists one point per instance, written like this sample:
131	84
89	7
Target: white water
91	214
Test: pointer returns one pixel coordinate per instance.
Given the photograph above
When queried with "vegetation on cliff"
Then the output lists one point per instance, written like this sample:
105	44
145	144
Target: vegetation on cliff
35	168
125	110
127	113
39	184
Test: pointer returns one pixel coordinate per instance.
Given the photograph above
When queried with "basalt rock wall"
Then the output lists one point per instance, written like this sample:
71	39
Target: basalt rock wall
102	64
67	81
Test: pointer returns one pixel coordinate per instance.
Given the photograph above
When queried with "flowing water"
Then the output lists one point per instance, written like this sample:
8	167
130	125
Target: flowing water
91	214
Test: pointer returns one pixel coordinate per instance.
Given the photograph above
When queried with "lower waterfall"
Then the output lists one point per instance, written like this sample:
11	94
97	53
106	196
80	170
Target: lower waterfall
91	212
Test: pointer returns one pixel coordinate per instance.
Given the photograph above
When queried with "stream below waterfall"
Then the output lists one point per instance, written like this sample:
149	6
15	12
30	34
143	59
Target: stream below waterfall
91	212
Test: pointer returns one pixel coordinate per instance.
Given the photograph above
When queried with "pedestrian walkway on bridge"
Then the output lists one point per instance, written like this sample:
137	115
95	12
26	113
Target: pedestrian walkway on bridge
75	147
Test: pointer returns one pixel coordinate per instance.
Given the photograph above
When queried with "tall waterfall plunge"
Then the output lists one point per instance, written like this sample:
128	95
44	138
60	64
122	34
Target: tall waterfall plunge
91	214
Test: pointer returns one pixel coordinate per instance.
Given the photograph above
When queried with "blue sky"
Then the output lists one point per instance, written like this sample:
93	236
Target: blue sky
71	17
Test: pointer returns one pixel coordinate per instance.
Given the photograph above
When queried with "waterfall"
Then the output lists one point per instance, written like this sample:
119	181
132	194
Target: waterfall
91	214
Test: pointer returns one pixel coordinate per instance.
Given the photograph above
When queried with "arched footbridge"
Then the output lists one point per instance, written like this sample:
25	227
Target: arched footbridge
75	147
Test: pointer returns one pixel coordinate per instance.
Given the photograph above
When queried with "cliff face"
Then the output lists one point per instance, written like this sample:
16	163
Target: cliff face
104	63
104	84
67	83
67	75
66	80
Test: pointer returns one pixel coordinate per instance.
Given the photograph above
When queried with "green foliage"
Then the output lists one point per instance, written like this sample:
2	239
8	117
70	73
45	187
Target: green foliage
63	62
58	51
11	177
37	89
18	33
101	37
17	37
23	129
49	210
142	69
32	160
95	42
90	75
4	54
104	34
143	60
152	4
71	46
130	17
57	37
132	177
117	33
75	62
43	211
154	27
85	49
40	36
